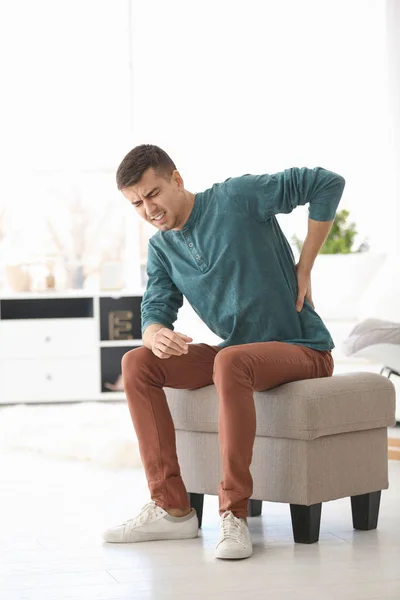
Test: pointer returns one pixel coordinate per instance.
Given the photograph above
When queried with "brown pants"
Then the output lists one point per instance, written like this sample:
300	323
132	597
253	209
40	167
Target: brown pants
236	371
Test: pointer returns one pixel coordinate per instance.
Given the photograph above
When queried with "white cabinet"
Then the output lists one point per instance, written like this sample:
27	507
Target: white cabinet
56	348
31	338
49	379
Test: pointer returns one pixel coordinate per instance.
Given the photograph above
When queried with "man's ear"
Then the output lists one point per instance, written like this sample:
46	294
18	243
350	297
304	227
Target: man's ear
176	176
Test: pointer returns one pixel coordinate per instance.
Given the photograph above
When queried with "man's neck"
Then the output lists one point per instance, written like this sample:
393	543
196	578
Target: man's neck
189	203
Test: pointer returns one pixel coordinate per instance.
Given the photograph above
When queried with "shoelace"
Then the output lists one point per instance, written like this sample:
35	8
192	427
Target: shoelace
143	516
230	526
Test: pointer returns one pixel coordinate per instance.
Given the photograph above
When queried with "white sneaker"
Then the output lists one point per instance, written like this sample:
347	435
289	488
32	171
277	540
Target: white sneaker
154	523
235	539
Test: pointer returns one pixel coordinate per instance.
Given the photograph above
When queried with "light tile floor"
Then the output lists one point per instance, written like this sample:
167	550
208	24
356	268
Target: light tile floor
53	513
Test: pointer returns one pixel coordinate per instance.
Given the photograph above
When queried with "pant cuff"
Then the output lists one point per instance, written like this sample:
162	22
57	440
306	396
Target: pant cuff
170	493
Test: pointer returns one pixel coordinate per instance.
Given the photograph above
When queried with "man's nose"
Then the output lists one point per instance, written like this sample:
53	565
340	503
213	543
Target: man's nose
149	208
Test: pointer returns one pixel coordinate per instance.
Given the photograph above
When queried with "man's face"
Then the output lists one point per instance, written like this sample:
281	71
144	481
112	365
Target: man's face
155	195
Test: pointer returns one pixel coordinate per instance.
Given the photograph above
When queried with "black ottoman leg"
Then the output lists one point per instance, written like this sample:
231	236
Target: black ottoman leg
365	510
306	522
255	508
196	502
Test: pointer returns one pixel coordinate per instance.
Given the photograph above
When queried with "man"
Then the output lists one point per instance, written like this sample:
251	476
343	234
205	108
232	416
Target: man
224	251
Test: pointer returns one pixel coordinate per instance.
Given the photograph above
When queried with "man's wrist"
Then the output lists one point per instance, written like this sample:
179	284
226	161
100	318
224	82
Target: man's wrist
304	267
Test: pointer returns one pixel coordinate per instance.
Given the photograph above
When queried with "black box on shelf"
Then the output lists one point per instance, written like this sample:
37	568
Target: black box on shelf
46	308
111	380
120	318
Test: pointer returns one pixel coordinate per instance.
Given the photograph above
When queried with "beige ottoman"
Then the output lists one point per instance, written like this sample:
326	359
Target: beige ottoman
316	440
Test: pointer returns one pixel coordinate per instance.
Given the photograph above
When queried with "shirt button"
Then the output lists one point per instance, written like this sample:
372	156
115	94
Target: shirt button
197	257
190	245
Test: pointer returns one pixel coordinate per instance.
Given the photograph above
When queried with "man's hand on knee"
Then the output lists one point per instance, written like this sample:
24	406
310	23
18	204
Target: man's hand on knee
166	343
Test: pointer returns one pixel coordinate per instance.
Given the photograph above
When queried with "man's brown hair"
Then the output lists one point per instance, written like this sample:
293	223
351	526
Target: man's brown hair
138	160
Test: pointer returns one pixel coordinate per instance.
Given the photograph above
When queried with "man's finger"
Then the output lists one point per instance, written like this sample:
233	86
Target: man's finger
299	303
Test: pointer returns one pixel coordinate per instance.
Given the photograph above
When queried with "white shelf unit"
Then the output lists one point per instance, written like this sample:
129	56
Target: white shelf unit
118	343
63	347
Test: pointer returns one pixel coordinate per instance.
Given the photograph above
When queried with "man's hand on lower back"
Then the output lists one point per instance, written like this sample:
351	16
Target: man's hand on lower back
303	287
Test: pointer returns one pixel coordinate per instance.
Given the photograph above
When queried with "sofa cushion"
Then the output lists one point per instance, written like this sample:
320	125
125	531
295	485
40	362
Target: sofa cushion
302	410
371	332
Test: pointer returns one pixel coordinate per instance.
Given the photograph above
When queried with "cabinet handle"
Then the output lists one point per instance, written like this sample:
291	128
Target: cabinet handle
47	338
49	377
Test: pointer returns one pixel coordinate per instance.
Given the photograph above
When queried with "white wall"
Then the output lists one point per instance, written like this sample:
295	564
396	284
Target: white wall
65	83
225	87
233	87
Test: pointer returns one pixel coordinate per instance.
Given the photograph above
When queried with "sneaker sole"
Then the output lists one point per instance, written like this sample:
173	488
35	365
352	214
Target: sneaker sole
156	538
229	555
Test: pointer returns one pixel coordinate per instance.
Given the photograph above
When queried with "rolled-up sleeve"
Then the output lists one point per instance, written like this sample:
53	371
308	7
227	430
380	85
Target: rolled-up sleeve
161	299
267	195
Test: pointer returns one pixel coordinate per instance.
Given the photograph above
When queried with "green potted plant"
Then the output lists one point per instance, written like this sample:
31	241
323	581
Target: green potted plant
340	239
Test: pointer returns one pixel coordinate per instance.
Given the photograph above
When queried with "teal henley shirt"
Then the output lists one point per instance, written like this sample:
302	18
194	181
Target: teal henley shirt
233	263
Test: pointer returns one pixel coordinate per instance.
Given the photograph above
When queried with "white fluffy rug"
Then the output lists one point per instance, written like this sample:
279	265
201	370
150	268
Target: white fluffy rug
102	433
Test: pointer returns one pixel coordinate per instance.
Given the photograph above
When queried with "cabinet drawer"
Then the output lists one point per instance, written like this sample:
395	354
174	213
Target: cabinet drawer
40	380
47	337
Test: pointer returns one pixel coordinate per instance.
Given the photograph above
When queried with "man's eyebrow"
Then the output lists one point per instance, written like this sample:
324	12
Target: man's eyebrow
150	193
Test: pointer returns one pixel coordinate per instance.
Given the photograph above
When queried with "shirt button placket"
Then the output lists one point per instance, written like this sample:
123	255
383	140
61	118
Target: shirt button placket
190	244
